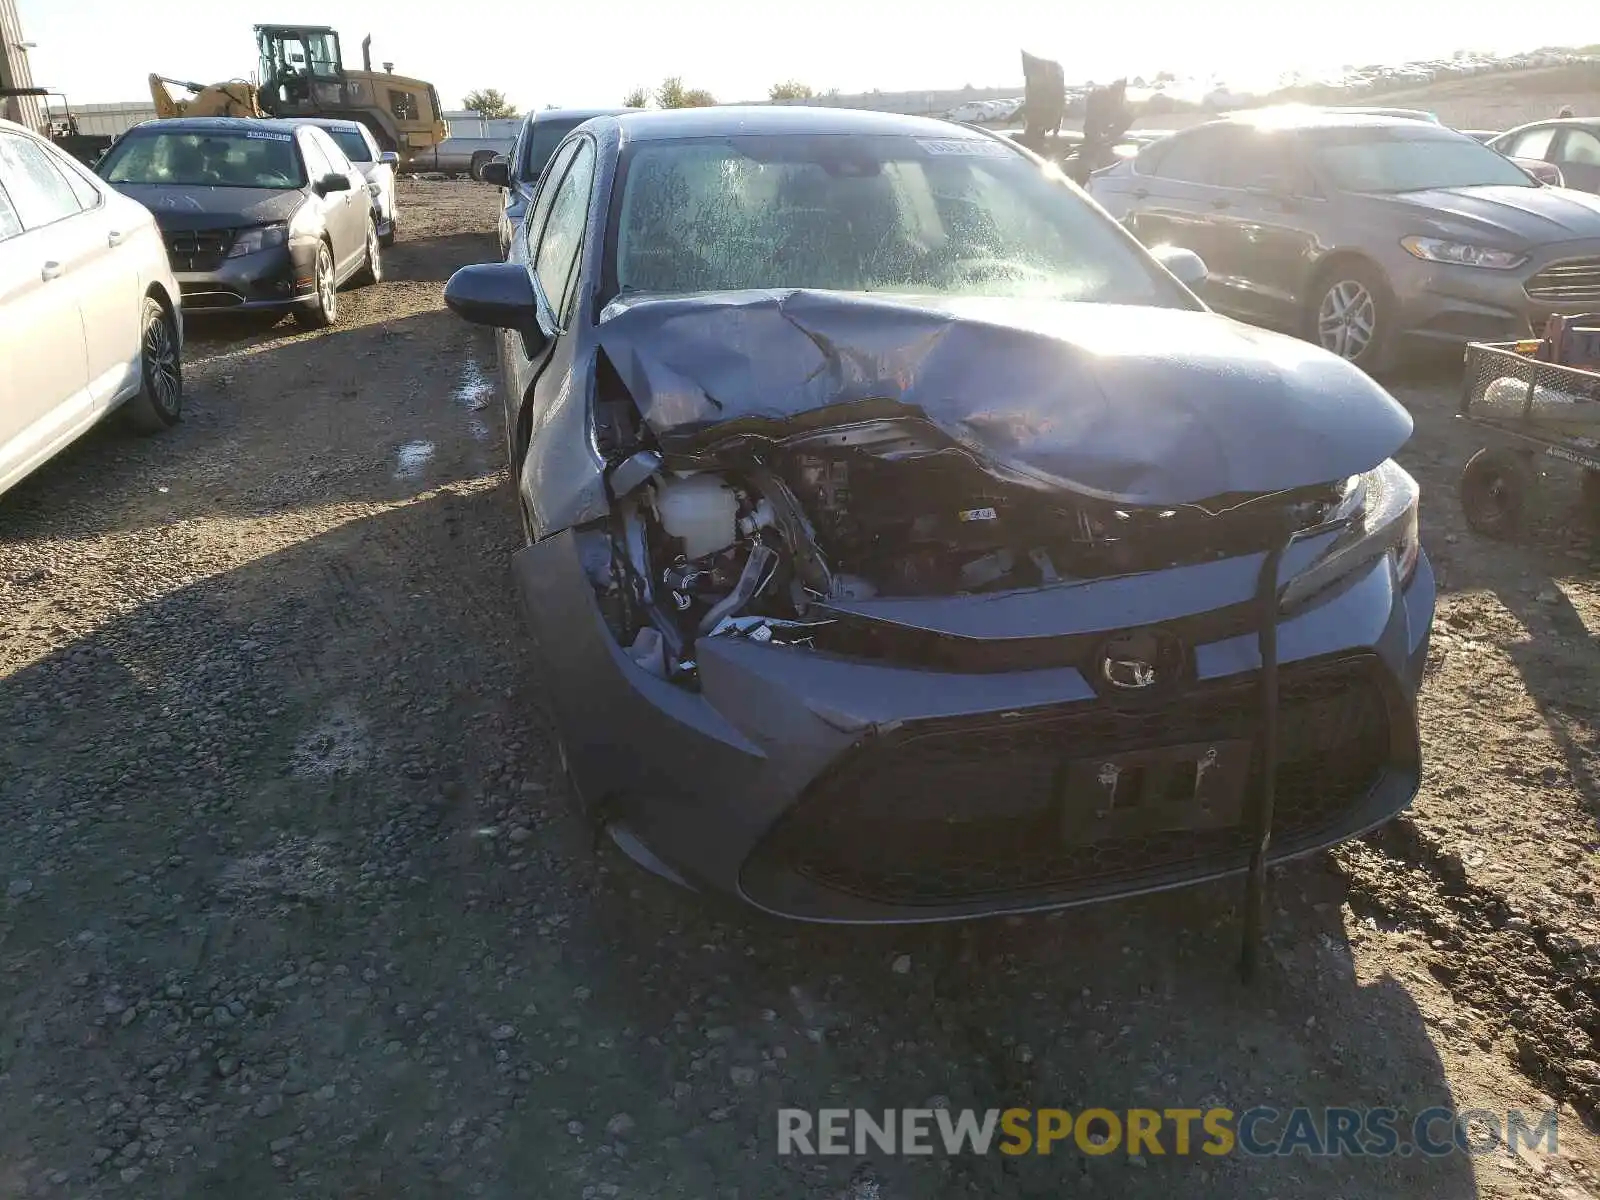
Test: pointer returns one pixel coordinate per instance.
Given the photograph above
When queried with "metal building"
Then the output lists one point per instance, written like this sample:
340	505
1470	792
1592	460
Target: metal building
14	73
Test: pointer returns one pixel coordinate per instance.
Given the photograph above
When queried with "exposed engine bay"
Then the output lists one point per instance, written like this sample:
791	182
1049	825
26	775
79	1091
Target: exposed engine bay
761	544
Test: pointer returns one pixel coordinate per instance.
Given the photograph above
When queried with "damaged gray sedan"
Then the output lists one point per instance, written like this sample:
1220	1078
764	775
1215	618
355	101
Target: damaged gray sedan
907	543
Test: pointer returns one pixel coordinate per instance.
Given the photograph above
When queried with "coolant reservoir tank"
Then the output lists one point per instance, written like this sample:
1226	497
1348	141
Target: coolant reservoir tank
700	509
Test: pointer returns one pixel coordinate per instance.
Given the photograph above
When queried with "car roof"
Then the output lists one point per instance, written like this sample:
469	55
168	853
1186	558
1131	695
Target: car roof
320	122
1315	118
670	124
578	114
201	124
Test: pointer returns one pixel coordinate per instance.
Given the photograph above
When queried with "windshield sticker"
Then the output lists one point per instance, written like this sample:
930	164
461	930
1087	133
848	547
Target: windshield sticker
979	147
255	136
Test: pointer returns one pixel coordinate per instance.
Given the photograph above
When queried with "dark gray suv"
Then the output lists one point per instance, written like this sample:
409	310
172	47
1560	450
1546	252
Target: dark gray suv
1370	235
537	139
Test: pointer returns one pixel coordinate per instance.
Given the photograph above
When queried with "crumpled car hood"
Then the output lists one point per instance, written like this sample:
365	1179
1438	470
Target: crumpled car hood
1142	406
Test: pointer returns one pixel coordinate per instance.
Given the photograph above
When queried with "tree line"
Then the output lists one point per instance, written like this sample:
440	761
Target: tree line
491	103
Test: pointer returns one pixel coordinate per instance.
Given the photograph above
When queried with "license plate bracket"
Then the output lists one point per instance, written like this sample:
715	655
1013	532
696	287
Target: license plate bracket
1198	785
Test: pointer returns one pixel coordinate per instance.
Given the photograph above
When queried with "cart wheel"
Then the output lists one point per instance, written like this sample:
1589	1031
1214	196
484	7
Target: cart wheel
1591	497
1494	490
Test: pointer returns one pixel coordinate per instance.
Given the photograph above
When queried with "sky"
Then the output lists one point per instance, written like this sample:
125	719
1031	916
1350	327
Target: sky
592	54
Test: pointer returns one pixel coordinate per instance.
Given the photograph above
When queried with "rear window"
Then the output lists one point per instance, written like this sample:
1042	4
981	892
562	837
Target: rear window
540	143
205	158
352	143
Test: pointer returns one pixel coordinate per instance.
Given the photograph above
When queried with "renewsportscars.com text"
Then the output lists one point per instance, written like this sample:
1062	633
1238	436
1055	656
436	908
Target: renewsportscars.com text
1256	1132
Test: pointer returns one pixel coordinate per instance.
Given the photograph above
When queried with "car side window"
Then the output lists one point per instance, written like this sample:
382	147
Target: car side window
338	160
1581	147
317	164
541	203
1246	158
1532	144
10	223
556	263
1188	158
37	188
78	178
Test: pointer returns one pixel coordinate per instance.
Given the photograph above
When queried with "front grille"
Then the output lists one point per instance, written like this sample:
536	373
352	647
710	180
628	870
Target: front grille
1575	281
198	250
960	809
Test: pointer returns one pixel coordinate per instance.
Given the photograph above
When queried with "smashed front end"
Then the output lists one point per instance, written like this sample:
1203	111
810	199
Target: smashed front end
890	653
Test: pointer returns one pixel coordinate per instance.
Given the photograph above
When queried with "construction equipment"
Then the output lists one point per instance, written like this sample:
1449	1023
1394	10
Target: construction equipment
62	127
1106	118
302	74
236	98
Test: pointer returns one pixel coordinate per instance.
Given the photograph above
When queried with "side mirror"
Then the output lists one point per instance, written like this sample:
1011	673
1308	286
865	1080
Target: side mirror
499	295
496	174
333	182
389	158
1187	266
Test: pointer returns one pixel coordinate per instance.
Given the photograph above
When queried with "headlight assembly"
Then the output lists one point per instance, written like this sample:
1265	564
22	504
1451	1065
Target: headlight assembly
1381	508
261	237
1462	254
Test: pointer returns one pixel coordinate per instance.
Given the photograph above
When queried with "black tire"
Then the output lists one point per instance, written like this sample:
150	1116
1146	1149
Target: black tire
1591	498
371	271
387	239
322	310
1495	489
1350	312
159	403
479	160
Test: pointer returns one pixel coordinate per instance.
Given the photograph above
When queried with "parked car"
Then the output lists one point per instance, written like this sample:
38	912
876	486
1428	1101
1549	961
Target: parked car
256	216
457	156
89	322
905	542
377	166
537	140
1369	235
1571	146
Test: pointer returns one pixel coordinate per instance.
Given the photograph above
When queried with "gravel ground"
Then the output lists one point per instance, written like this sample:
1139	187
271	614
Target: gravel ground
296	904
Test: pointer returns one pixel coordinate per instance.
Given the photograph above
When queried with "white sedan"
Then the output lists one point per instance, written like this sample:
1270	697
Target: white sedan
89	316
376	166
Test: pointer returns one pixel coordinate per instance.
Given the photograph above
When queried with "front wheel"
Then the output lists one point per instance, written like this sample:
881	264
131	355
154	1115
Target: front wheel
159	402
322	310
1350	314
479	160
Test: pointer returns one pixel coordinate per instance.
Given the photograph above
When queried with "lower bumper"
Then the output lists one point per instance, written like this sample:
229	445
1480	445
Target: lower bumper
268	279
1450	306
829	789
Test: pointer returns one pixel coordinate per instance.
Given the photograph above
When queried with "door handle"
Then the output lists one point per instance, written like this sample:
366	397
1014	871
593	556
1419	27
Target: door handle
51	270
116	237
1221	202
1141	193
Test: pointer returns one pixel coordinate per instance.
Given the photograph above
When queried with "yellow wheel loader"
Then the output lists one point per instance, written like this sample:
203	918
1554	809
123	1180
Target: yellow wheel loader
302	74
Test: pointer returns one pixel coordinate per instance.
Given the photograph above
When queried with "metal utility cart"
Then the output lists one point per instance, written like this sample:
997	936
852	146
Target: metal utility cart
1529	408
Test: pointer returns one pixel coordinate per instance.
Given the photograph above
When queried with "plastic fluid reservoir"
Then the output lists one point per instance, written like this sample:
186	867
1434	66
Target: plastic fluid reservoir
701	510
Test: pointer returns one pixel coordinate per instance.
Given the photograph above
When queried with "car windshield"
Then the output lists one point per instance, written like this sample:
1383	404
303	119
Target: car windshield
1393	161
540	144
231	158
352	143
934	215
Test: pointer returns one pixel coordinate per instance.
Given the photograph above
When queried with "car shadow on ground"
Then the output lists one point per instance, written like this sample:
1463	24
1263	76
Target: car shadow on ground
330	755
277	420
434	259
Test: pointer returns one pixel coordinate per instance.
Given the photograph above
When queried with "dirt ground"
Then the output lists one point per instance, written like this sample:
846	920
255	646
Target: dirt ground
296	903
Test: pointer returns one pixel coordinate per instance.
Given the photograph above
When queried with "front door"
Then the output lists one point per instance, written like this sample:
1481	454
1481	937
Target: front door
44	384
